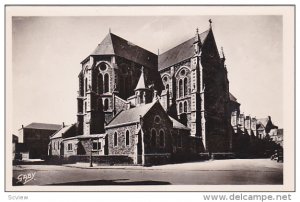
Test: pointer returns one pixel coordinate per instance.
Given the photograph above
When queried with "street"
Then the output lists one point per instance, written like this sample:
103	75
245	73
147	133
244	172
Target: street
216	172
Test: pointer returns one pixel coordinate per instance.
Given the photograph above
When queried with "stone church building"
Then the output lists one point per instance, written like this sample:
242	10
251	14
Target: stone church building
151	108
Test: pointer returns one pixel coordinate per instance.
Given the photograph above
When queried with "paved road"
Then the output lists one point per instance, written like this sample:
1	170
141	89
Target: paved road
217	172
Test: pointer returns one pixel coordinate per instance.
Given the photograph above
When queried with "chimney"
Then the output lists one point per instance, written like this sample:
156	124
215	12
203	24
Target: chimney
63	124
22	126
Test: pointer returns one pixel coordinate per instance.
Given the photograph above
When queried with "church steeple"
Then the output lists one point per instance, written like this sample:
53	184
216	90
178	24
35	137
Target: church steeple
142	92
141	84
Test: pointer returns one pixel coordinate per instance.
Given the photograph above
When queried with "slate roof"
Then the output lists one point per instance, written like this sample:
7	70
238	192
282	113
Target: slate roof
43	126
260	127
130	115
141	83
59	133
263	121
179	53
86	136
115	45
177	124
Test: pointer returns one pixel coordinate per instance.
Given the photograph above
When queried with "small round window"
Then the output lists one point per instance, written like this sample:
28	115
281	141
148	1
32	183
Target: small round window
157	119
182	72
165	79
103	66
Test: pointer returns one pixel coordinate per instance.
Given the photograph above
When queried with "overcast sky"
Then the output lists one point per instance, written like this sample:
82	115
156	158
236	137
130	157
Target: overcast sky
47	52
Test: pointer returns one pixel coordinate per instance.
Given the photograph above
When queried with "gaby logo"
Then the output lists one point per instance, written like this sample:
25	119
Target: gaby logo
24	178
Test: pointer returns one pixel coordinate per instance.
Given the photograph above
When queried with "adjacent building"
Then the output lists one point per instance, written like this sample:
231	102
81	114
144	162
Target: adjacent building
277	136
34	139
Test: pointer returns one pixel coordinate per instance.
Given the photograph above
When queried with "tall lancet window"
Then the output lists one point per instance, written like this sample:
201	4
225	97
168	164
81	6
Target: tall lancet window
185	89
106	83
100	84
142	97
185	107
167	87
180	88
106	103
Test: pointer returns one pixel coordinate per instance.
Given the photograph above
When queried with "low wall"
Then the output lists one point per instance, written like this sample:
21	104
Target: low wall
100	159
223	155
157	159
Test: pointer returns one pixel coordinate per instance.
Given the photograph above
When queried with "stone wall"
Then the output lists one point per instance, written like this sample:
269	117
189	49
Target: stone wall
157	159
120	104
73	150
150	124
121	148
100	159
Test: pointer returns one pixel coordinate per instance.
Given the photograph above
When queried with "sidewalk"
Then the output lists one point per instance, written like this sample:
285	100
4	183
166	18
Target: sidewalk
95	166
210	165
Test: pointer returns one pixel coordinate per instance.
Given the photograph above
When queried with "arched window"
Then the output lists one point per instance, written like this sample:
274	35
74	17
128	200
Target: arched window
153	137
185	107
185	87
86	86
106	83
180	88
106	102
167	87
142	97
180	107
162	138
100	84
127	137
115	139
